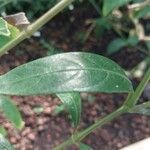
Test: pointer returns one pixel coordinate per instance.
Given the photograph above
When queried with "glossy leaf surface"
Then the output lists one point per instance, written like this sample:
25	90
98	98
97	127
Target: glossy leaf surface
11	111
109	5
66	72
72	102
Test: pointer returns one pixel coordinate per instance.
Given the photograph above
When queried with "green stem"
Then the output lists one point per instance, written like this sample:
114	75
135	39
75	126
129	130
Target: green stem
128	105
133	97
36	25
81	135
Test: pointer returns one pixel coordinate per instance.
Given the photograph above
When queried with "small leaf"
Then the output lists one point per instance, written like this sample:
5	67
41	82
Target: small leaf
102	24
59	109
116	45
72	102
143	109
64	73
110	5
132	40
38	109
11	111
4	28
83	146
3	131
14	33
4	144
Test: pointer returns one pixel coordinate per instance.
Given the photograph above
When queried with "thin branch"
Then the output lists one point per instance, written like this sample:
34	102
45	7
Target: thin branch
36	25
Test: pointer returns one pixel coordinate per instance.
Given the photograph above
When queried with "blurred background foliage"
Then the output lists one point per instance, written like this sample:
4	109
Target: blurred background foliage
129	19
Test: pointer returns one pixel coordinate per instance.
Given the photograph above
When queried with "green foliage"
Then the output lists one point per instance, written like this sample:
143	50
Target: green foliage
32	7
83	146
68	74
132	40
110	5
102	24
14	32
4	144
76	71
4	28
118	43
38	109
148	45
143	109
3	131
11	111
59	109
142	12
72	101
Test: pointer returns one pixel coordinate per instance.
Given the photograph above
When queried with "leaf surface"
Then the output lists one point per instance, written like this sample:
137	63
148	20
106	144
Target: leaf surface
66	72
143	109
72	102
14	32
116	45
83	146
4	28
142	12
11	111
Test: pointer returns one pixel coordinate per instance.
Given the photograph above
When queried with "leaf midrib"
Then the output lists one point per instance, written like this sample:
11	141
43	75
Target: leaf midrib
42	74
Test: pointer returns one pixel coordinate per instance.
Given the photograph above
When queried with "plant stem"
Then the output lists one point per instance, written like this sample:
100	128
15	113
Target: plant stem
81	135
128	105
36	25
133	97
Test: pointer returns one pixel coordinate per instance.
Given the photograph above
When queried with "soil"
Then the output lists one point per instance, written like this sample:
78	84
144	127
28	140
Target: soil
45	130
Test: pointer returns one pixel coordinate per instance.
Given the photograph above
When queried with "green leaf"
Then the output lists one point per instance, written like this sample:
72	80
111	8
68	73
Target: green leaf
83	146
66	72
110	5
4	144
143	109
3	131
38	109
132	40
72	102
4	28
142	12
11	111
102	24
59	109
116	45
148	45
14	32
